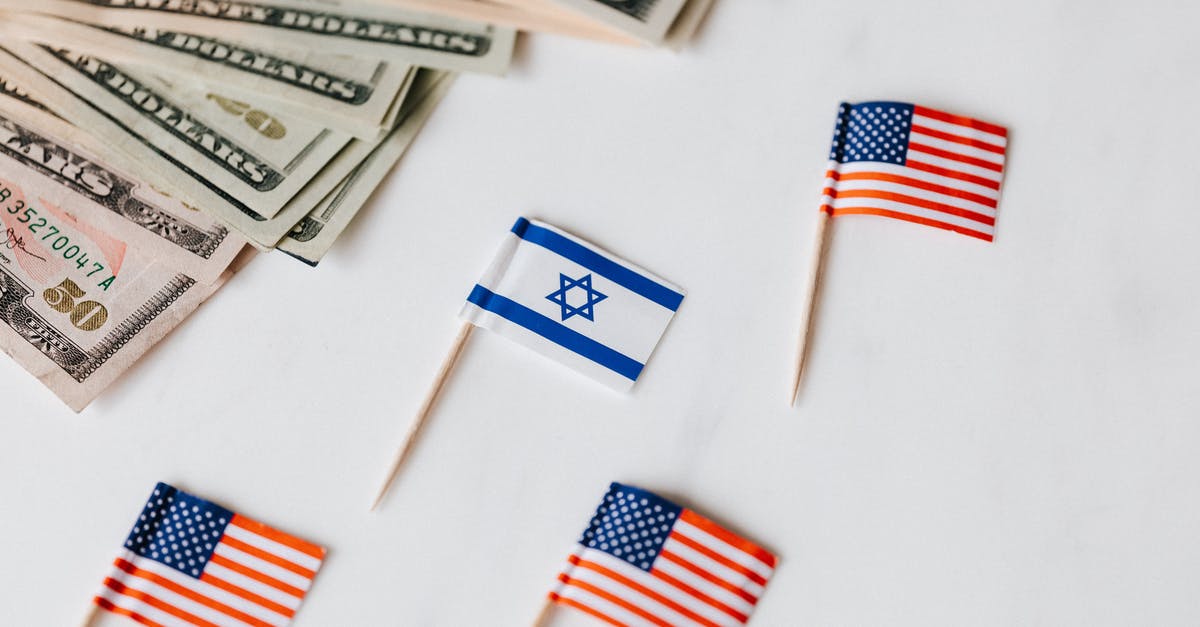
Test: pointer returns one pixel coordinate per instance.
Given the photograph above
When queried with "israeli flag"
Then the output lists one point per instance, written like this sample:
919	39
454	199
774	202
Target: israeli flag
573	302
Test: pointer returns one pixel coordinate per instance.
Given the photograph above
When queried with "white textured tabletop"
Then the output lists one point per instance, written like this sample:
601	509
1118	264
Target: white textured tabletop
990	434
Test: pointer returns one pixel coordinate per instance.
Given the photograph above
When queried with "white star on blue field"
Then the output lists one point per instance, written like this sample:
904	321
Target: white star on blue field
561	297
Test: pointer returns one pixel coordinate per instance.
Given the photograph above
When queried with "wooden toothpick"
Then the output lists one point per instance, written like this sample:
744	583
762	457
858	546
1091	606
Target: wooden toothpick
92	615
426	408
544	615
815	270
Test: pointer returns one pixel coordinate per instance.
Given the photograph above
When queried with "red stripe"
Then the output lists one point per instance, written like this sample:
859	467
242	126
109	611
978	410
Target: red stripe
913	201
188	593
911	218
954	156
958	139
961	121
717	557
953	174
246	594
132	615
221	560
612	598
911	182
253	526
267	556
639	588
707	576
156	603
586	609
699	596
728	537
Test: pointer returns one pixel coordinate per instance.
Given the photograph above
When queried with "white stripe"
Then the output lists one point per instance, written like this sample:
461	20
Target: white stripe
627	594
723	548
911	210
916	192
298	558
542	346
262	566
950	164
206	589
960	130
734	601
659	586
712	567
175	600
612	610
957	148
928	177
134	605
249	585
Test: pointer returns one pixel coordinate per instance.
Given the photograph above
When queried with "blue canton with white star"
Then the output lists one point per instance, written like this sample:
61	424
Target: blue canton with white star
564	296
631	524
872	131
178	530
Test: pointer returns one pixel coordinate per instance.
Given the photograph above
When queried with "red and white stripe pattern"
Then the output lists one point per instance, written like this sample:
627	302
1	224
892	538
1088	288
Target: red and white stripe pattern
253	575
917	164
702	575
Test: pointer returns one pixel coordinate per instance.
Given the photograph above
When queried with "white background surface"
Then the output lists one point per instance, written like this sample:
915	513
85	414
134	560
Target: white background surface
997	434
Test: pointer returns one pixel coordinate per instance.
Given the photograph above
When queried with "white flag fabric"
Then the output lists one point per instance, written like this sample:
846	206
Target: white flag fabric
573	302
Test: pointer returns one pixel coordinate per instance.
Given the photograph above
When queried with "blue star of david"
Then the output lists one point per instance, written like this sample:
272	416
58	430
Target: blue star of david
565	285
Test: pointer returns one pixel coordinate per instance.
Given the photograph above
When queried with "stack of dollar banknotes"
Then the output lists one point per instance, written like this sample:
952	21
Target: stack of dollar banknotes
149	147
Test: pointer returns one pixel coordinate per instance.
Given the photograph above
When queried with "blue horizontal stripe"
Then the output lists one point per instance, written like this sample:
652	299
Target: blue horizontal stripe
564	336
590	259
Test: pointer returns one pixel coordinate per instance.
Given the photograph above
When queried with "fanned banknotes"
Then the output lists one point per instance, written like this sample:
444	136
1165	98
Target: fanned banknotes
147	147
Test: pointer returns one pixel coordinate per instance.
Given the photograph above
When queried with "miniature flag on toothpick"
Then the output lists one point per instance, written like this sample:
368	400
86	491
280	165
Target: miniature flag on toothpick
644	560
916	164
574	303
910	163
566	299
191	562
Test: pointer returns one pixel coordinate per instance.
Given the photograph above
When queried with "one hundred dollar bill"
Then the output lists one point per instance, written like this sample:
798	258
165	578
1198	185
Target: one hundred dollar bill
45	155
355	95
79	305
312	238
345	27
160	137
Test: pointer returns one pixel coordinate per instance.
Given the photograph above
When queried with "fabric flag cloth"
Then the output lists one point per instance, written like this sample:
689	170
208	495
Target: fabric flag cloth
574	303
644	560
916	164
191	562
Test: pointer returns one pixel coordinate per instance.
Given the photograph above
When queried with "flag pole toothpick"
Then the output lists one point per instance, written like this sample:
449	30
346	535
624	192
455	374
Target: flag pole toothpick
426	408
92	615
815	270
544	616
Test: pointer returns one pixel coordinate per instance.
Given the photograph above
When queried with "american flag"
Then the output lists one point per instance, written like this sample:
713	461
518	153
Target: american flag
191	562
917	164
645	561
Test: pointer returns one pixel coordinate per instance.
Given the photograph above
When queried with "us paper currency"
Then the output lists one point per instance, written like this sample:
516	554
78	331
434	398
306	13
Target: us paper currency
45	156
355	95
79	305
545	18
647	20
342	27
147	127
255	156
316	233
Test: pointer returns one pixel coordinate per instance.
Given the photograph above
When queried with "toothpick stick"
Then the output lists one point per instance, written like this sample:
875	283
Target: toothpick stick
821	242
92	615
426	407
544	615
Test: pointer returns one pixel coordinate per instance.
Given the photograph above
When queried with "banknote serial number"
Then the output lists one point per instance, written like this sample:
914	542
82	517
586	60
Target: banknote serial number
40	228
